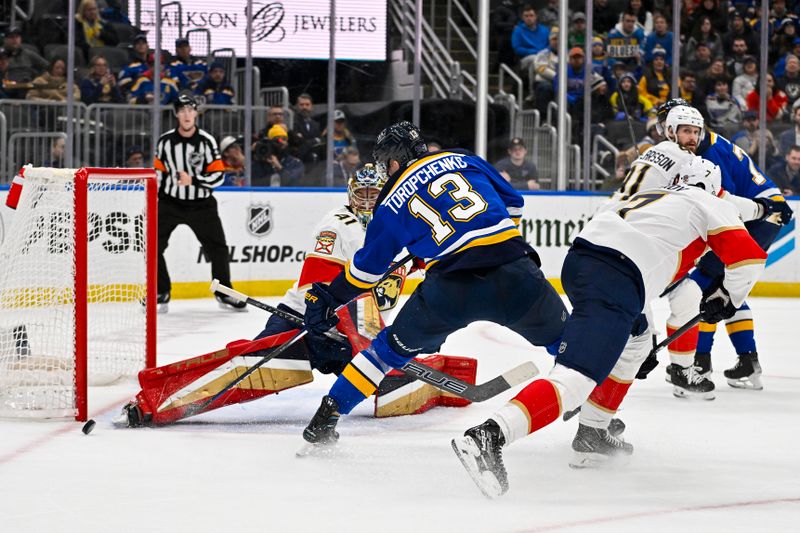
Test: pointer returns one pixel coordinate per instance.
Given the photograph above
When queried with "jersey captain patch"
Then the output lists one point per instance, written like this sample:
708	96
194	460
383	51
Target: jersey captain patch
325	242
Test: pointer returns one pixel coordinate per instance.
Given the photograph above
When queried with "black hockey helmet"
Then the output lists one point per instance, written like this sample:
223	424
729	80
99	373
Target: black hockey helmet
401	141
663	110
185	98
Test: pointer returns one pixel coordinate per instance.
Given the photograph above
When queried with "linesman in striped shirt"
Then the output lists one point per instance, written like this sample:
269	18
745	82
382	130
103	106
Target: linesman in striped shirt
189	169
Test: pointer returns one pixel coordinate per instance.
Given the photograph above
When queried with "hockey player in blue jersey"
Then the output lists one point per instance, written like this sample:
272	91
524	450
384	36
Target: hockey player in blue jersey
454	210
740	177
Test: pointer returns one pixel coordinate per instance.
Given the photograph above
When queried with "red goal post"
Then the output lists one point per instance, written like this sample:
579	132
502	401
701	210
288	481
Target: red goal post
78	270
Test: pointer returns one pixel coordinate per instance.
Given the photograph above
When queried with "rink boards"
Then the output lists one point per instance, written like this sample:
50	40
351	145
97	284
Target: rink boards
269	231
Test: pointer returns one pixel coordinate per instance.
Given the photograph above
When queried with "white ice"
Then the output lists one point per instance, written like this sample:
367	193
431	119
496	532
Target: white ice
726	465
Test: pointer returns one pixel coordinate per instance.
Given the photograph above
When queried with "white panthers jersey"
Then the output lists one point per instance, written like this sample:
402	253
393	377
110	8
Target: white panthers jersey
664	231
659	165
336	240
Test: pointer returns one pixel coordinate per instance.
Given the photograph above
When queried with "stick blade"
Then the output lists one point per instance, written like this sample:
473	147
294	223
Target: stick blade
521	373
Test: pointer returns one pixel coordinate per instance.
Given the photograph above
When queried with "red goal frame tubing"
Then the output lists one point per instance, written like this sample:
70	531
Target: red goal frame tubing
81	214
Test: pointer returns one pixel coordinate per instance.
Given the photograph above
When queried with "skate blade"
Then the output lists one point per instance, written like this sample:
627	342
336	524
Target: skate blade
681	393
314	449
162	309
668	378
227	307
466	451
751	383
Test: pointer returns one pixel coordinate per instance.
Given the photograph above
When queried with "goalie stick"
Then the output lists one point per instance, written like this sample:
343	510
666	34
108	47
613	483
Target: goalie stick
415	369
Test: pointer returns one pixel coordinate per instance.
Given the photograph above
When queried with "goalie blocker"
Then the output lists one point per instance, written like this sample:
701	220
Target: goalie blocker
173	392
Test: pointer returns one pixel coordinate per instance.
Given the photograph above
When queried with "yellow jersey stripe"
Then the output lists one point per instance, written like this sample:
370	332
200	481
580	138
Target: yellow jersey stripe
357	282
483	241
742	325
358	380
705	327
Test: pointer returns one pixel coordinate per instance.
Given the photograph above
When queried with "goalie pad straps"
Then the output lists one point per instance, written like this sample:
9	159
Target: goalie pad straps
169	391
401	394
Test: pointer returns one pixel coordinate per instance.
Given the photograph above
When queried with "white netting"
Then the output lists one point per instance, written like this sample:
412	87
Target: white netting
37	273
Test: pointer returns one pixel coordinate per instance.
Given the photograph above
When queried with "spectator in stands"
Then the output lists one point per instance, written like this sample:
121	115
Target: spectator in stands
52	85
748	139
519	172
738	29
735	62
789	83
715	72
790	137
604	17
57	150
309	129
528	39
90	30
636	105
780	65
600	63
3	71
655	81
275	115
273	165
113	12
134	157
702	58
724	114
23	65
100	86
503	18
786	174
659	37
704	33
545	65
689	91
745	83
142	89
575	80
215	86
602	110
776	100
577	30
617	72
141	60
233	157
346	166
644	18
625	43
187	70
783	36
342	138
548	15
711	10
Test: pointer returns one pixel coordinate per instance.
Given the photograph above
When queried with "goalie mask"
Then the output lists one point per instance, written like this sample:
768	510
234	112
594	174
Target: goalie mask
701	173
683	116
363	189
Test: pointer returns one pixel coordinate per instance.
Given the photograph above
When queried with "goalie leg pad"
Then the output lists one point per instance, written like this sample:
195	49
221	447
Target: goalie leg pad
401	394
168	392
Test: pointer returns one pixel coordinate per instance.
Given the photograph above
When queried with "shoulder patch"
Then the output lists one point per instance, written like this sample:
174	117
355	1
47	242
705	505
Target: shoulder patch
325	241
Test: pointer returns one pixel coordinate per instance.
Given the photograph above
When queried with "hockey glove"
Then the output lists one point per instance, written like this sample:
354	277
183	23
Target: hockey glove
716	304
320	309
770	207
648	364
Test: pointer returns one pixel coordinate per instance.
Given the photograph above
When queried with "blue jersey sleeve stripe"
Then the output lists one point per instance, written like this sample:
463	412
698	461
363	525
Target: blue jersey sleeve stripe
359	278
514	212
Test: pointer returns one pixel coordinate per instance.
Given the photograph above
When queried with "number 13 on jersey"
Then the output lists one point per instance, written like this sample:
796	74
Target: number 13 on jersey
467	204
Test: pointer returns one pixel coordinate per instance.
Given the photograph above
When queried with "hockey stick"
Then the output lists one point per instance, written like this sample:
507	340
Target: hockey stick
415	369
678	332
276	352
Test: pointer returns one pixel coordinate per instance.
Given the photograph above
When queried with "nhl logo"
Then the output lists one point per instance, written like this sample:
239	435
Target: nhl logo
562	347
259	221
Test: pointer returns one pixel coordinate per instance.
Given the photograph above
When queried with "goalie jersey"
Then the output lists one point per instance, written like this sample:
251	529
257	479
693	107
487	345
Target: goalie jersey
663	230
451	208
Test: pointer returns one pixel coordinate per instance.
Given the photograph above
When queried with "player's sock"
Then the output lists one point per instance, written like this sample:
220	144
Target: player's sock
705	339
740	330
603	403
359	379
681	350
534	407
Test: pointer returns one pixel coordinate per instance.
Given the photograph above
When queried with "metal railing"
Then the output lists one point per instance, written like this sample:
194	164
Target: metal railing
240	80
204	40
518	85
40	149
598	173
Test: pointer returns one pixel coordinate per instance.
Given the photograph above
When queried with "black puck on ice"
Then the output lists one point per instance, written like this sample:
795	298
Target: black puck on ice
88	427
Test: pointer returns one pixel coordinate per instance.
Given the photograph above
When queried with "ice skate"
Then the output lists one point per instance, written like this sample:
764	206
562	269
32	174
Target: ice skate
746	374
616	427
131	416
688	383
670	368
595	447
162	303
480	450
229	304
702	362
321	431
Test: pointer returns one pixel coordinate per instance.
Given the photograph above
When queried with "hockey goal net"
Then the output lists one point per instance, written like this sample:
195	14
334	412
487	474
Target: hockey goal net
77	287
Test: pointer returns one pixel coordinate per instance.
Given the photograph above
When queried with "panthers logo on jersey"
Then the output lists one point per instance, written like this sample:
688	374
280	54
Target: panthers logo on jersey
387	292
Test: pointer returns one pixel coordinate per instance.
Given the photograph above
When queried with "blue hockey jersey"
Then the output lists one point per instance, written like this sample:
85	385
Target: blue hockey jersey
451	208
740	175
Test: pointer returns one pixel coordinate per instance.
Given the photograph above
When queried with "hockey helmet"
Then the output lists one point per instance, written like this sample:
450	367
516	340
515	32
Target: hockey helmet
185	98
680	116
663	110
363	189
402	142
700	173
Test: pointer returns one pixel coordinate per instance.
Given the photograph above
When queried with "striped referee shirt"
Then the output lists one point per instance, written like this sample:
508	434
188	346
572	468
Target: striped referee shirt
197	155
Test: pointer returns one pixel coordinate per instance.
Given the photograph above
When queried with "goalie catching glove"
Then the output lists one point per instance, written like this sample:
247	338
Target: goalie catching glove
716	304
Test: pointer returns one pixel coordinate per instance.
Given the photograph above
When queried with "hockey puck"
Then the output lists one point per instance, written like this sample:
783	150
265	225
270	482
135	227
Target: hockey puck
88	427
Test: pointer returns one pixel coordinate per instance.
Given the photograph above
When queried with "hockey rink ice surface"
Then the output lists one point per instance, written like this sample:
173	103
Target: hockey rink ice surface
731	464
